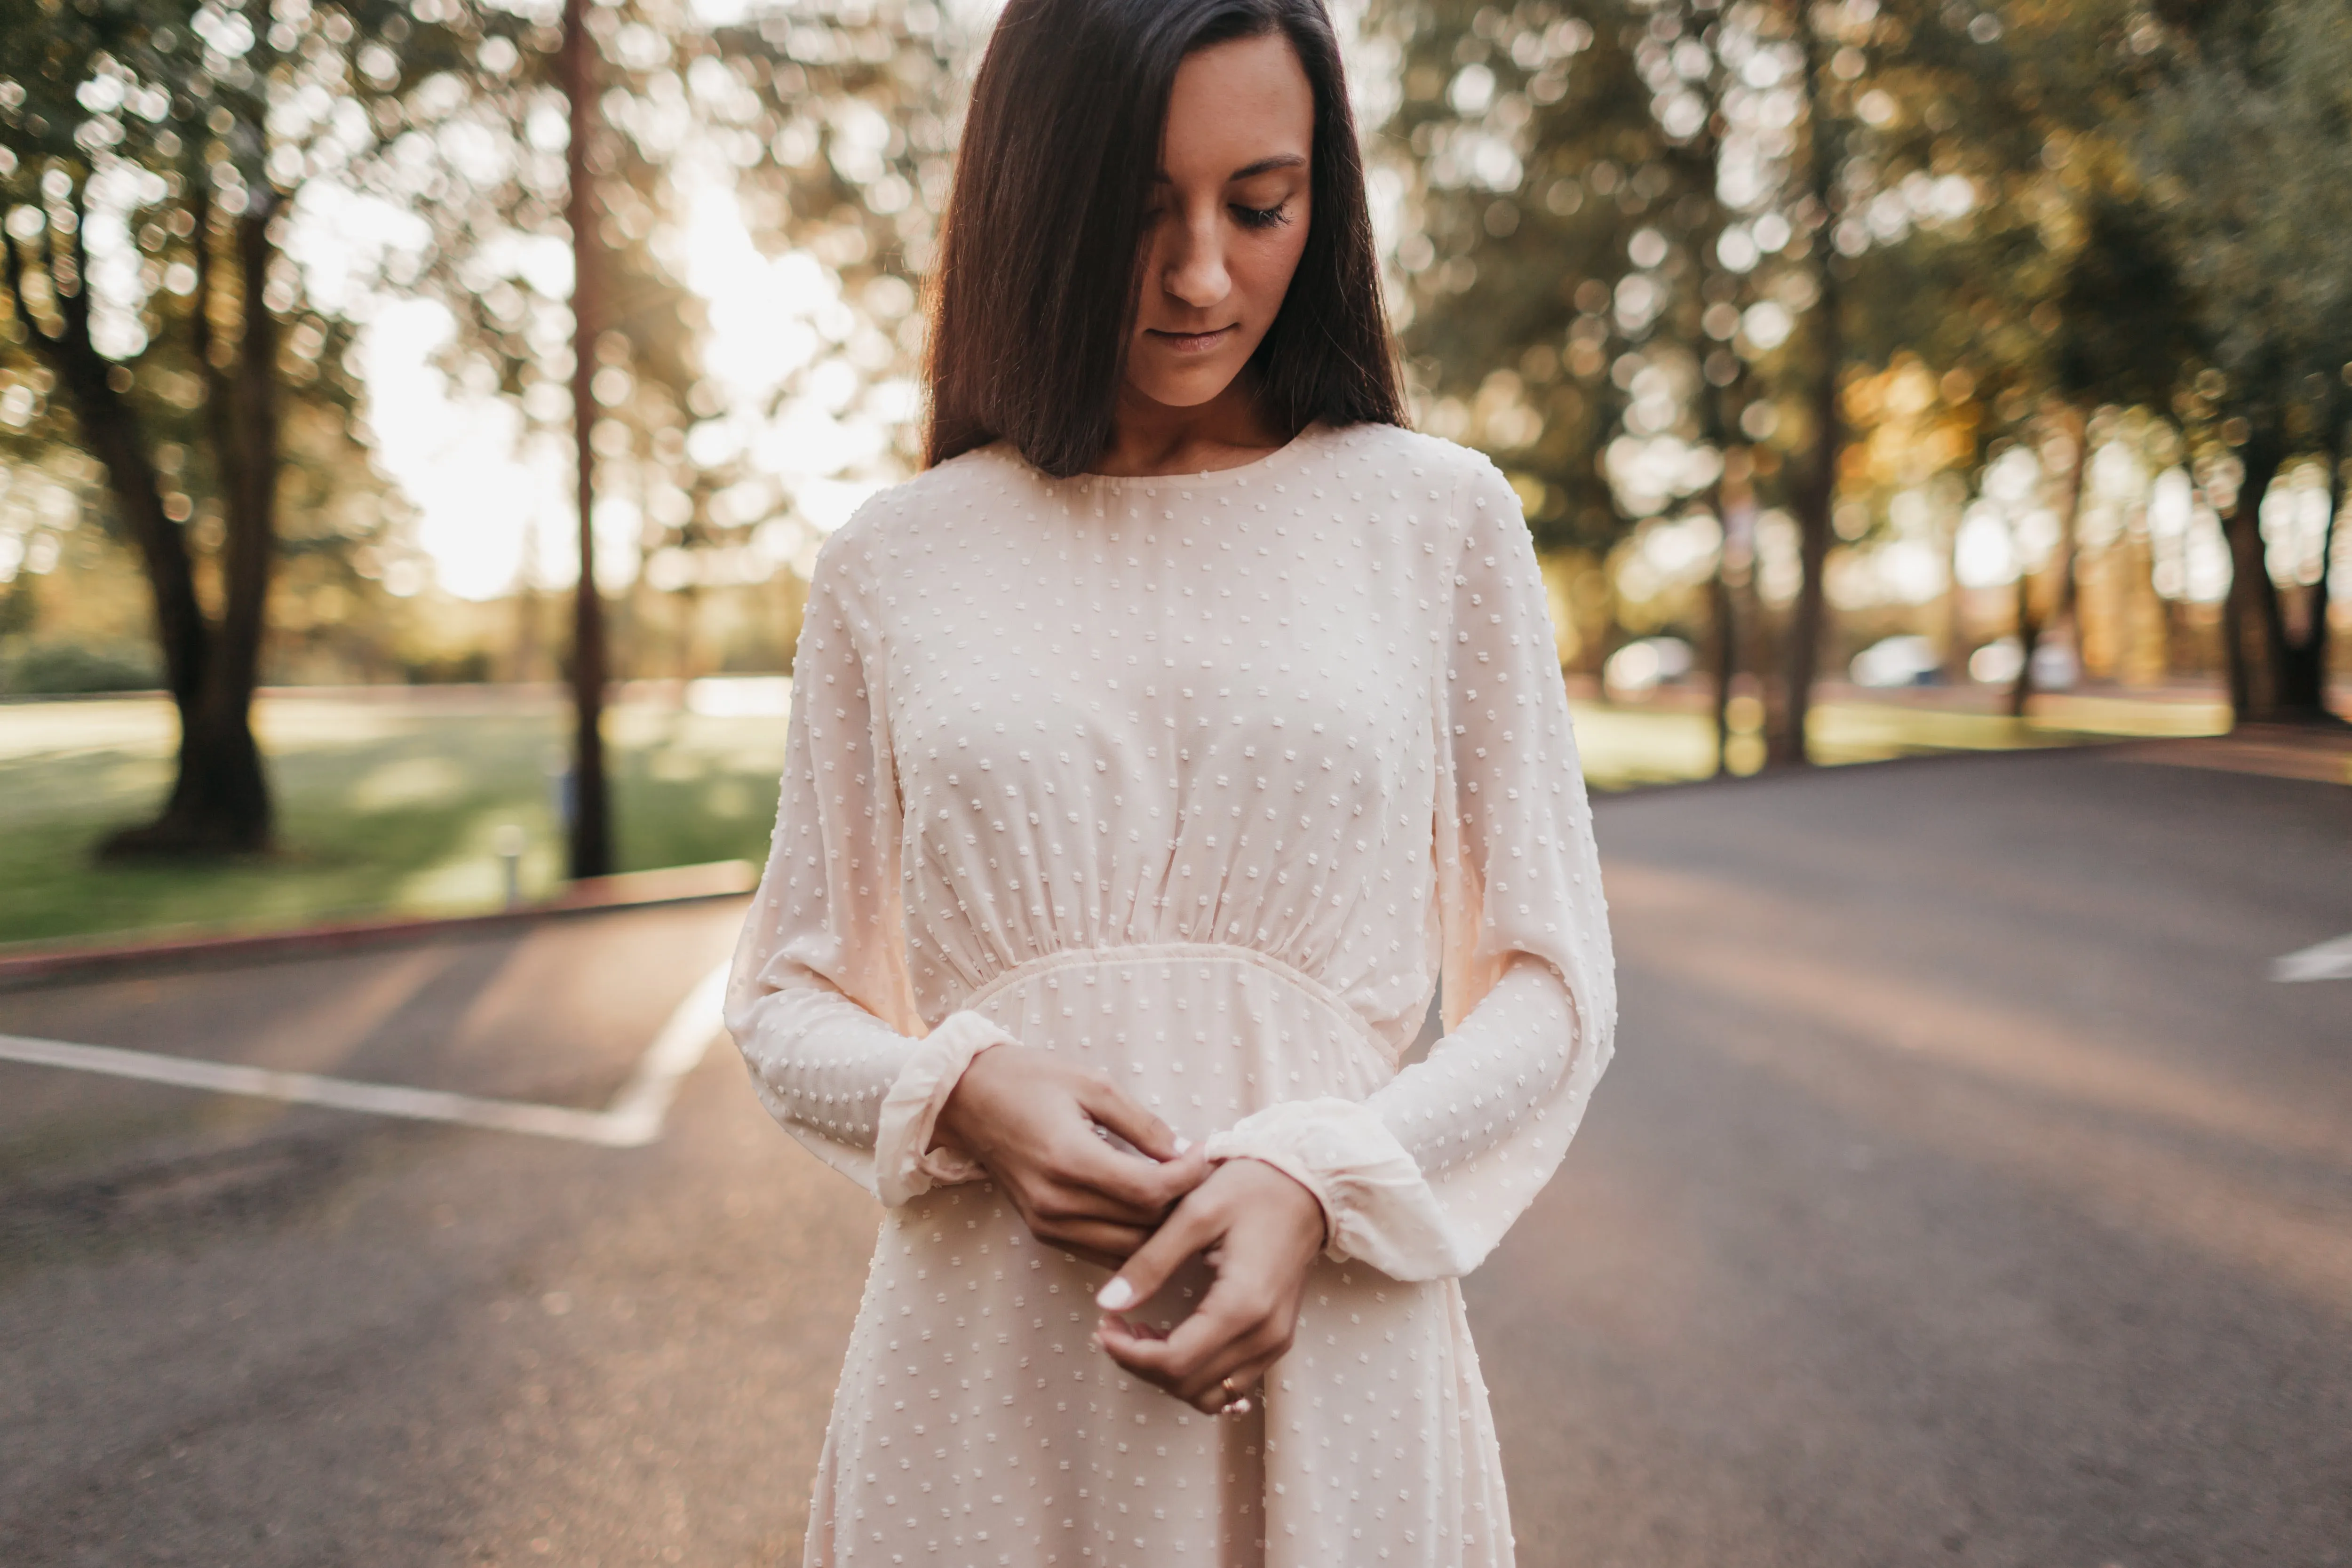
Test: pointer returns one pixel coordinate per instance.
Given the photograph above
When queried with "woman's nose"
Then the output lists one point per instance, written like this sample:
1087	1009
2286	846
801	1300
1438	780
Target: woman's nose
1196	272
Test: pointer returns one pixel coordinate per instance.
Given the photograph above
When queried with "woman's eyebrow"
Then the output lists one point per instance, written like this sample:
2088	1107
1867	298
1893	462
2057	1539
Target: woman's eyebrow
1267	165
1263	167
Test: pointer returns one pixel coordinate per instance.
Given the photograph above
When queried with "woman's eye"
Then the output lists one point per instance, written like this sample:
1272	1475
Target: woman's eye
1261	217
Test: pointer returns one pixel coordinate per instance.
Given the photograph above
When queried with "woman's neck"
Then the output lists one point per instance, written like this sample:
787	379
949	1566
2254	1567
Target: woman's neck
1153	438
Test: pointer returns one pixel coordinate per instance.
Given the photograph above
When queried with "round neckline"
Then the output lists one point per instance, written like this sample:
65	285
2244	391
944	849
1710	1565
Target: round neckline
1312	430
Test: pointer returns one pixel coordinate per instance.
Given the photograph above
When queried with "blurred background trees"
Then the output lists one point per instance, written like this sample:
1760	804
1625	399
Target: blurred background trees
1840	305
158	325
207	204
1996	348
2248	139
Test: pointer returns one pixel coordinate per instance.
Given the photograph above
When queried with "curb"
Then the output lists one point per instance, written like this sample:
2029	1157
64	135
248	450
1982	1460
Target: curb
1907	759
2321	754
26	968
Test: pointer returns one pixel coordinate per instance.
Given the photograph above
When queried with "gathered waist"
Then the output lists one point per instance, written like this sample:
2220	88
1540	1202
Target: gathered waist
1051	970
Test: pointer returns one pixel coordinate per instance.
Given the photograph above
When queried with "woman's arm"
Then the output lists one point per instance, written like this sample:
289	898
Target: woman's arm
820	1001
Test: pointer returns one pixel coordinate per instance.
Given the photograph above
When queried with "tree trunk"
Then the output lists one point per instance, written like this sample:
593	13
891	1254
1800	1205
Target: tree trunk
1816	491
111	426
1730	495
1734	572
591	837
2253	630
1723	657
220	800
220	796
2029	629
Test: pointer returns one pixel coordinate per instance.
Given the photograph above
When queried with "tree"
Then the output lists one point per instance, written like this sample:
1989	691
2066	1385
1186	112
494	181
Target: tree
180	135
1924	125
2247	132
590	826
2123	338
826	127
1534	161
1711	177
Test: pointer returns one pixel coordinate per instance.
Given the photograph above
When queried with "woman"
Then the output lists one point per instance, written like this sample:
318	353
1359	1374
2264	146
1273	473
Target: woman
1152	754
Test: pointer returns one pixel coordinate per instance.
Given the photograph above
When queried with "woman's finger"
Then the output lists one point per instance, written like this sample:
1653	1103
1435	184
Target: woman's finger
1189	1230
1239	1359
1138	1347
1248	1381
1227	1330
1216	1331
1116	1327
1103	1242
1229	1360
1115	1109
1136	1188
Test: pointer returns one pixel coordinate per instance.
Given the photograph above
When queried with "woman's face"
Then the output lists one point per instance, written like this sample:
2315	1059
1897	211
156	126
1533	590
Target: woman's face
1227	217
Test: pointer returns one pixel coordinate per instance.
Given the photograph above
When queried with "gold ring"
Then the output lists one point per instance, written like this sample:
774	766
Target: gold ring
1225	1386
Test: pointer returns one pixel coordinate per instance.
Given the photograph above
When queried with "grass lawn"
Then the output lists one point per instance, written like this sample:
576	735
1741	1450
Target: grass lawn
385	808
392	803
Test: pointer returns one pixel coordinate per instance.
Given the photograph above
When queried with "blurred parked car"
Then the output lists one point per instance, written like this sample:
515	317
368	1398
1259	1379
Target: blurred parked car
1637	668
1904	660
1997	664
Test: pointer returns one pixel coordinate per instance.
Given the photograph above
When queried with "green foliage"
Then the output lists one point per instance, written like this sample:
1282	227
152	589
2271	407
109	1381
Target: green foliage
1534	158
1624	219
1976	179
155	158
133	134
2247	134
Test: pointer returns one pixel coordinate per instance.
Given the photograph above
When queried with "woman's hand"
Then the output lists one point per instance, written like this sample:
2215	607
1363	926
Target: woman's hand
1259	1230
1029	1116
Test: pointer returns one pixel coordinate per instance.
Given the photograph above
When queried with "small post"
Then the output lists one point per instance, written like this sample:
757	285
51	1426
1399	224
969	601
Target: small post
510	843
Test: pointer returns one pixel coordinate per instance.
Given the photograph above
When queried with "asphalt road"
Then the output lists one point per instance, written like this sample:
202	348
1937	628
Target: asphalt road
1964	1192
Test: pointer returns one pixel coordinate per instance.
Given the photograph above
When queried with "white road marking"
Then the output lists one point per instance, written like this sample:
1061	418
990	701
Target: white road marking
637	1113
2326	960
634	1118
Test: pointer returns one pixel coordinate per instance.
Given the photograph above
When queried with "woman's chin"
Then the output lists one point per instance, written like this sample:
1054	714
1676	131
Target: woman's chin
1184	386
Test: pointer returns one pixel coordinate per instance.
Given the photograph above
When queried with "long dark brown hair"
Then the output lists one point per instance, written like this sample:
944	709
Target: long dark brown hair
1035	291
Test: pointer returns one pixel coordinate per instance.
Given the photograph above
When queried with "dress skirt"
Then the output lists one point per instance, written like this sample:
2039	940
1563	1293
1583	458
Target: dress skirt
978	1425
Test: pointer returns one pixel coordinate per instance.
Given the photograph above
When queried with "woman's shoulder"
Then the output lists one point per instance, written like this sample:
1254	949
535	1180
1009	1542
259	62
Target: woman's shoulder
885	517
1458	488
1415	453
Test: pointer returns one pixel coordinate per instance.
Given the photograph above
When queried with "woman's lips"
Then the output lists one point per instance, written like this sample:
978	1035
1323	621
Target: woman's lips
1193	343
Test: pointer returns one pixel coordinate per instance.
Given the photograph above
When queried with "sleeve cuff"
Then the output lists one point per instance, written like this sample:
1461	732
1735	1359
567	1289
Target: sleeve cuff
1376	1206
905	1164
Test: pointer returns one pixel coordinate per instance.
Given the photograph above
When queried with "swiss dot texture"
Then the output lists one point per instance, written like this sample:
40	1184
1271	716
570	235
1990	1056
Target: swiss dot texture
1204	781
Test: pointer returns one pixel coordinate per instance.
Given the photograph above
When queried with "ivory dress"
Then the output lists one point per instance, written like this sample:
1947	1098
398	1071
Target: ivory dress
1203	780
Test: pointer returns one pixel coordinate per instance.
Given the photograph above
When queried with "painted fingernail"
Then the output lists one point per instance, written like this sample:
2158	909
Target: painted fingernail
1116	1296
1182	1144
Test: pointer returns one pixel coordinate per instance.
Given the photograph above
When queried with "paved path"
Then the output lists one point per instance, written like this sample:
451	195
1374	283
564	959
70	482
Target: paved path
1965	1191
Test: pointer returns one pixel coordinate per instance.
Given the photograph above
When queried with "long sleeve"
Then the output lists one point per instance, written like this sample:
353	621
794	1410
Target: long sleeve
1420	1179
818	998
